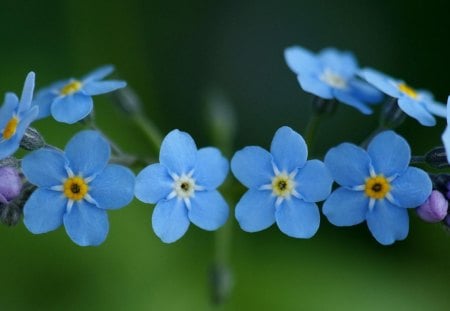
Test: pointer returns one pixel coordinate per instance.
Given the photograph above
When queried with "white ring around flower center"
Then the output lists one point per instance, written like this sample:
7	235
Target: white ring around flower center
282	185
184	186
333	79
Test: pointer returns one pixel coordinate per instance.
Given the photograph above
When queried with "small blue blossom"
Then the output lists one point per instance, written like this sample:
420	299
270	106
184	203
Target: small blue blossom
377	185
332	74
418	104
75	188
15	117
446	134
183	186
70	101
283	186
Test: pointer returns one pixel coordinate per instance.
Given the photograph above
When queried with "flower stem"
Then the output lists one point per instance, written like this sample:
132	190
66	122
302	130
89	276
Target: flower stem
149	129
311	129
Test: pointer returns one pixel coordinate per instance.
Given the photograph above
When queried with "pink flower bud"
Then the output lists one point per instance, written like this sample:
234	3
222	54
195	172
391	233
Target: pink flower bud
434	209
10	184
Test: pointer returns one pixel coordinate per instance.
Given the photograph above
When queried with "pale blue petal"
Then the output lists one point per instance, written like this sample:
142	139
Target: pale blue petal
88	153
416	110
102	87
445	139
153	184
342	63
350	99
45	97
288	149
345	172
98	73
113	188
170	220
381	81
313	181
71	108
301	61
178	152
8	109
252	166
365	91
412	188
255	211
390	154
209	210
9	147
26	117
27	92
387	222
45	167
346	207
86	224
297	218
44	210
211	168
438	109
312	84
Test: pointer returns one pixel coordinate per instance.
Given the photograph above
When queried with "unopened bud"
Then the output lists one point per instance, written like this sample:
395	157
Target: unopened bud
437	158
32	140
434	209
10	184
10	161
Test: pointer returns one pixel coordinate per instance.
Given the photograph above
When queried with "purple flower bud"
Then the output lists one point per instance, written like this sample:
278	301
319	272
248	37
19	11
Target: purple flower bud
10	184
434	209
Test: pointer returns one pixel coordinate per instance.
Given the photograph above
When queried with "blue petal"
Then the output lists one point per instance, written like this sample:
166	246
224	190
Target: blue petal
297	218
390	153
9	147
44	211
102	87
342	63
45	97
445	139
98	73
252	166
178	152
211	168
412	188
345	172
387	222
436	108
416	110
88	153
45	167
255	211
288	149
71	108
312	84
381	81
153	184
301	61
365	91
113	188
86	224
8	108
27	92
209	210
313	181
350	99
170	220
346	207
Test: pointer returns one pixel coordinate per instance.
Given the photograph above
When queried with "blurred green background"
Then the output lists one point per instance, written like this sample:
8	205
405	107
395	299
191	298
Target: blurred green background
172	53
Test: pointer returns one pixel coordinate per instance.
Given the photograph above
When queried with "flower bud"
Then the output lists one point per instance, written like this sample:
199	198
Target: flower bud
10	184
434	209
32	140
437	158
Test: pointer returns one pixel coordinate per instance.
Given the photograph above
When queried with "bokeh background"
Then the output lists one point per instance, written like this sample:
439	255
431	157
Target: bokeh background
175	53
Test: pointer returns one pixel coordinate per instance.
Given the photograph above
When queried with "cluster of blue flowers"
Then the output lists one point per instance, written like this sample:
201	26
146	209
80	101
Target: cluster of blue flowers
376	184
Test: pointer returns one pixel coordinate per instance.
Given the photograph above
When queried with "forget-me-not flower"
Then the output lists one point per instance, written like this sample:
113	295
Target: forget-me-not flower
70	101
75	188
15	117
418	104
332	74
283	186
376	186
183	186
446	134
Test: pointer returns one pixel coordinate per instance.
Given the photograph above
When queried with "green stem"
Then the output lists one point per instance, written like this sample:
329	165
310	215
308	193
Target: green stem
149	129
311	129
374	133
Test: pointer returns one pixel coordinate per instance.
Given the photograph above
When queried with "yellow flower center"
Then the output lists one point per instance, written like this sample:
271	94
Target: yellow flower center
377	187
10	128
75	188
406	89
71	87
282	185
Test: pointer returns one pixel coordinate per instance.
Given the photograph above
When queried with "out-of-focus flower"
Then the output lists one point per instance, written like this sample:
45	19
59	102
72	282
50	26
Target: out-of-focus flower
434	209
446	134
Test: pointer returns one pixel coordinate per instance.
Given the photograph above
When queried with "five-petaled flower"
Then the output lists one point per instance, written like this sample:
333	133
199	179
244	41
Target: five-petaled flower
15	117
183	186
283	186
332	74
446	134
377	185
75	188
70	101
418	104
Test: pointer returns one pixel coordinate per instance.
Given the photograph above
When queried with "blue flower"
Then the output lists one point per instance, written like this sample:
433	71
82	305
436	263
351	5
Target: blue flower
376	185
332	74
283	186
75	188
418	104
446	134
183	186
15	117
70	101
